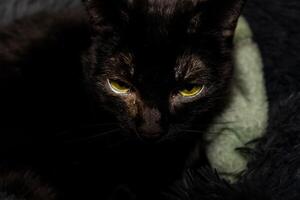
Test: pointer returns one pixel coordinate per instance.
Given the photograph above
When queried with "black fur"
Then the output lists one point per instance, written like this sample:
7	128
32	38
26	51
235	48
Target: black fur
278	148
161	44
23	185
54	104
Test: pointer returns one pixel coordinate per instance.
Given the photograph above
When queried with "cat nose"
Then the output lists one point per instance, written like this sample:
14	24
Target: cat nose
151	126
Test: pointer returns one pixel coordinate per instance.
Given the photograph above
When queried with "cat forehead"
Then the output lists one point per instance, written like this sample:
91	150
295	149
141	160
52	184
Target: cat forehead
164	6
166	10
185	67
188	65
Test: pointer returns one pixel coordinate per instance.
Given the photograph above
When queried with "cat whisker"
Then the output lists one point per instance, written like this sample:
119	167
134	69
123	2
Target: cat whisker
190	131
226	122
95	136
181	133
116	144
85	127
98	125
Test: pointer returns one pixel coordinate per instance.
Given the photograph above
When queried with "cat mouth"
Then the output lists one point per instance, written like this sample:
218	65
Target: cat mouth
153	137
150	136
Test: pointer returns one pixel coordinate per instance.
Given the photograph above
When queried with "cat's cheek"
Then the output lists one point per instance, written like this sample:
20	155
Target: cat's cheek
175	105
178	103
127	102
130	101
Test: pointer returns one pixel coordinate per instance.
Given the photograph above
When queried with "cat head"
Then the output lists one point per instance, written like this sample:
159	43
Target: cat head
161	65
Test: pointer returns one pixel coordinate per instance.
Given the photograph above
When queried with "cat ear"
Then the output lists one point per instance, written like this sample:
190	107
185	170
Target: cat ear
104	13
227	13
220	16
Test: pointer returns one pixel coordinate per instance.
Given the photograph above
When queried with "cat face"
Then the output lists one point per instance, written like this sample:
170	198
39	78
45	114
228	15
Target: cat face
161	66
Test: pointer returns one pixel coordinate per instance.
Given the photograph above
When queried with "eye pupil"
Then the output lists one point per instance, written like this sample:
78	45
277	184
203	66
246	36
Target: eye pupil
191	90
190	87
118	87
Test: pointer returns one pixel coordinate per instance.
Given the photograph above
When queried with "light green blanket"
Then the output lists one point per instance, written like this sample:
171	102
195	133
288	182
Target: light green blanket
246	117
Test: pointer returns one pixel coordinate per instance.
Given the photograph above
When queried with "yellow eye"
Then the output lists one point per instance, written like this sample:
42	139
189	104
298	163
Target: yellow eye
192	91
118	87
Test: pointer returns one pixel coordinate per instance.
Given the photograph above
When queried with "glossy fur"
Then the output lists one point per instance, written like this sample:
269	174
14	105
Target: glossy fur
156	48
56	102
60	117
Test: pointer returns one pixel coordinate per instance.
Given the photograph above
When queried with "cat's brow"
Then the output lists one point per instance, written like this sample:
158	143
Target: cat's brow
188	67
127	60
123	62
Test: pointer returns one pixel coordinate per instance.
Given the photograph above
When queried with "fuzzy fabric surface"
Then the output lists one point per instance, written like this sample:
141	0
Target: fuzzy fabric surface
272	174
273	169
275	26
245	119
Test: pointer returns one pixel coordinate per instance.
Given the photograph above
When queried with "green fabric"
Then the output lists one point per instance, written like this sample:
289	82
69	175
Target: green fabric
246	117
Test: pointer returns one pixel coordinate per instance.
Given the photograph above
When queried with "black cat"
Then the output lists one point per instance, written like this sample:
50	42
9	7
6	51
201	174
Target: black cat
118	96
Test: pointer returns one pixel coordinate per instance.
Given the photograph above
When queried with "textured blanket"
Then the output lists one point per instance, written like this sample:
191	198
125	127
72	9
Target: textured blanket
245	119
271	170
